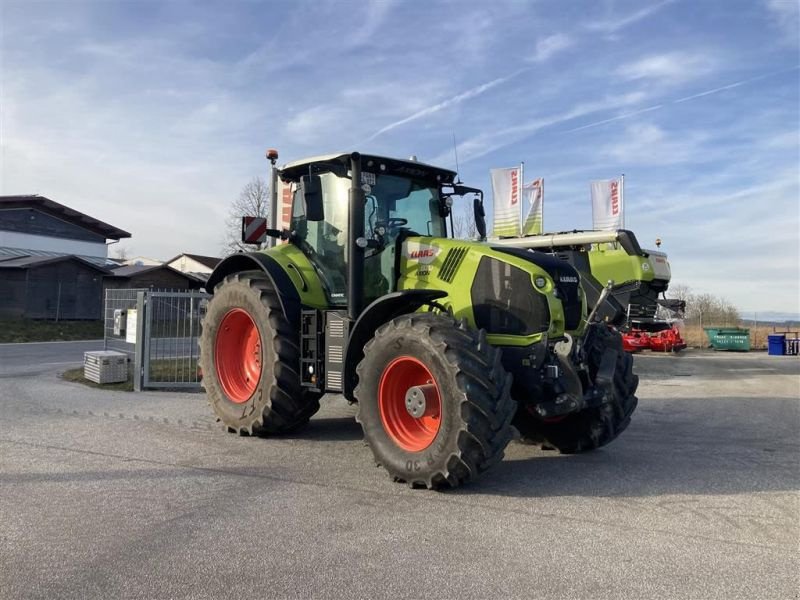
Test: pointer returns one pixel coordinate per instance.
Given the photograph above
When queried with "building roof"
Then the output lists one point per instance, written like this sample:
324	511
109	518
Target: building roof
8	252
128	271
200	277
66	213
28	262
208	261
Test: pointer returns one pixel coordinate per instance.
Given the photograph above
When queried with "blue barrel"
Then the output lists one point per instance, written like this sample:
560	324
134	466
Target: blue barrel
777	344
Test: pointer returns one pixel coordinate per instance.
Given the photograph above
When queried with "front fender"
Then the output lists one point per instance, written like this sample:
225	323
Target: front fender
259	261
376	314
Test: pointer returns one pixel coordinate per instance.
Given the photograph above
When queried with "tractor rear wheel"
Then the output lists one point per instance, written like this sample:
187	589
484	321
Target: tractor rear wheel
593	427
433	400
249	356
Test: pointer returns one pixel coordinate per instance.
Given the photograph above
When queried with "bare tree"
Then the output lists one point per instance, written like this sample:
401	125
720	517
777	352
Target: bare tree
464	226
121	253
253	201
705	309
679	291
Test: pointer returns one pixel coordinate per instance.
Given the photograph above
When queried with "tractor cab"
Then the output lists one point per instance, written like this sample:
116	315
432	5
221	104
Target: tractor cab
401	199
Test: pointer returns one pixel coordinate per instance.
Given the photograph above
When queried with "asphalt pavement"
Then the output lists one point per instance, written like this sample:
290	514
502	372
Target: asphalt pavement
43	356
123	495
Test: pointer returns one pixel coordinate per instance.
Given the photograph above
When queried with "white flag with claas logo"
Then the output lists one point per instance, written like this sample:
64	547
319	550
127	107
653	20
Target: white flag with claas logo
533	193
607	205
506	194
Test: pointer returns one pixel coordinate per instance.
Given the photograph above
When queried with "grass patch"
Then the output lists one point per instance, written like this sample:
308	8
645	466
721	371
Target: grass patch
174	369
76	376
29	330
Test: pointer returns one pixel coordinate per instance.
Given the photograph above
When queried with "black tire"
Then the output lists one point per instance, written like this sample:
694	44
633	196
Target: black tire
475	401
594	427
278	404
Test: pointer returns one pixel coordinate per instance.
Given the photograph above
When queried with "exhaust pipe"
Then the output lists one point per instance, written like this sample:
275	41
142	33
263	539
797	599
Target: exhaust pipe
272	157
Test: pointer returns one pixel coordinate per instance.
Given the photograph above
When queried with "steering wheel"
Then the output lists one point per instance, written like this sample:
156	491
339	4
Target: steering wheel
395	222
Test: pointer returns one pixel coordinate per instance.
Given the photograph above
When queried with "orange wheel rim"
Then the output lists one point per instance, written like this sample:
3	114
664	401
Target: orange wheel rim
237	355
404	381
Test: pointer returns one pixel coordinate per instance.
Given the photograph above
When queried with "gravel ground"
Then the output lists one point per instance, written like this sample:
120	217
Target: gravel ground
121	495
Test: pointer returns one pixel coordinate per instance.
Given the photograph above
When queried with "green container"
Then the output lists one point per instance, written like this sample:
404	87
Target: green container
728	338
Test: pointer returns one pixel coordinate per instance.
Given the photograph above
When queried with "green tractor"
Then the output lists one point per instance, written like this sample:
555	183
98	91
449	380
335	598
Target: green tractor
446	345
599	256
642	278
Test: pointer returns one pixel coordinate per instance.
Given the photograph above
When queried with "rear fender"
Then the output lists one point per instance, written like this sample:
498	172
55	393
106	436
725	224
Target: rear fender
258	261
382	310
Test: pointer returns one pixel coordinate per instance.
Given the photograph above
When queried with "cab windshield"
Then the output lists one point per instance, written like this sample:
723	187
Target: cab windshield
393	204
399	203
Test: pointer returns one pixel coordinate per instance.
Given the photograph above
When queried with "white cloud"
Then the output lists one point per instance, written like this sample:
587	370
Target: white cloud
548	47
786	15
736	242
649	144
376	14
313	126
668	68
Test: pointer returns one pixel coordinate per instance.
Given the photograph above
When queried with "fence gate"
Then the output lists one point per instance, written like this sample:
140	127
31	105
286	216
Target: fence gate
171	339
160	331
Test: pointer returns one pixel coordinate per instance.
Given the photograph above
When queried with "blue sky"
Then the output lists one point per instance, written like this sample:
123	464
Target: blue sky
153	115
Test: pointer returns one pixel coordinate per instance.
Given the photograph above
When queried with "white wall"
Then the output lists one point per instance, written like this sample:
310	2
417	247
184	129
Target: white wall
27	241
184	264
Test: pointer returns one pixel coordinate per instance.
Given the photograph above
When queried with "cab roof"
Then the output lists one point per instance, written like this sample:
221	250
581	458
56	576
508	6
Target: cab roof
369	163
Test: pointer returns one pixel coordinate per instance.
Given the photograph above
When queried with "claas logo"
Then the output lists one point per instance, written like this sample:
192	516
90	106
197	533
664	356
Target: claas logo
514	187
615	198
422	253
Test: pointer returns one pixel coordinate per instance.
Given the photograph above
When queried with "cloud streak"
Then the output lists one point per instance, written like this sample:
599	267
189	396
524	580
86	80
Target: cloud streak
448	103
609	26
696	96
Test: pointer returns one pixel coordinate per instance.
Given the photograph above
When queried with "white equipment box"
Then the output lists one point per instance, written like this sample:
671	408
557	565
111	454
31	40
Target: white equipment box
105	366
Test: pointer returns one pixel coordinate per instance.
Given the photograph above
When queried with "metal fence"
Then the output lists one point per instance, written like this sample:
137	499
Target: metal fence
115	314
160	331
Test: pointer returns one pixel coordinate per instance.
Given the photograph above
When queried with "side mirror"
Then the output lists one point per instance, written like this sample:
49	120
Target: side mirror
480	214
311	189
445	205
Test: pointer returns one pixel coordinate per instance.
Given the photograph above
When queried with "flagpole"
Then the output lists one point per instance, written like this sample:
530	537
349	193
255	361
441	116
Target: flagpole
541	192
622	197
521	226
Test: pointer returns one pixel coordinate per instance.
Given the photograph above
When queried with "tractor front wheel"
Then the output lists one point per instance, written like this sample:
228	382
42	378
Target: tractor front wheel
433	400
249	356
593	427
